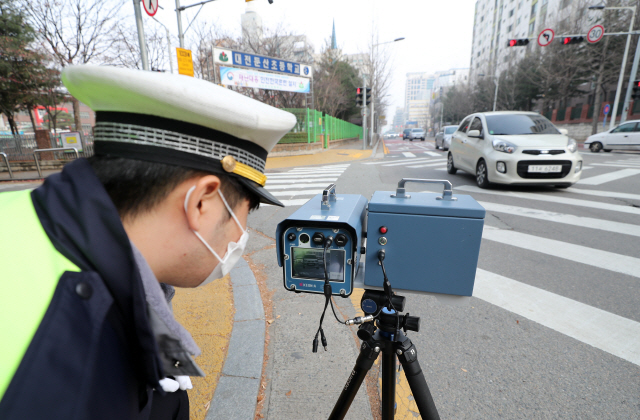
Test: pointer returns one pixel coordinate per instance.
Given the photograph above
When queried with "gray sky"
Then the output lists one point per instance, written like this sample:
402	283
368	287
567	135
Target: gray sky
438	33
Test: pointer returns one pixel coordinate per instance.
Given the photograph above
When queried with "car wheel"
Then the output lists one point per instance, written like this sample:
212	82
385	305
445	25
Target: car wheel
607	150
482	179
445	149
595	147
436	146
423	140
450	167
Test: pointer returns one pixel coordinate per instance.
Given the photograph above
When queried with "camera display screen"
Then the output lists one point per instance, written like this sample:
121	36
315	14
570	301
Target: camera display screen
308	264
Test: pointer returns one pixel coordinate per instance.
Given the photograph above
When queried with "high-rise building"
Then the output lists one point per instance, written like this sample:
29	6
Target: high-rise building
416	97
251	22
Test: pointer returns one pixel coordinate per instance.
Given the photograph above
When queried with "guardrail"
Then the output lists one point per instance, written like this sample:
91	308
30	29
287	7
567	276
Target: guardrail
55	149
6	160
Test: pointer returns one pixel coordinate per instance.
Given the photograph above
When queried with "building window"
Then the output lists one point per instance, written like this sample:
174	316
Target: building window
511	12
84	115
534	9
532	27
509	28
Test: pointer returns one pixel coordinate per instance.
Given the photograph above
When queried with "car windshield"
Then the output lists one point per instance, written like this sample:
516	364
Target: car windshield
417	130
408	130
518	124
450	130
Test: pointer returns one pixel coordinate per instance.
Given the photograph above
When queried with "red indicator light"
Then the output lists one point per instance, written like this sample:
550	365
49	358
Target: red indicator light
383	229
512	43
567	41
358	91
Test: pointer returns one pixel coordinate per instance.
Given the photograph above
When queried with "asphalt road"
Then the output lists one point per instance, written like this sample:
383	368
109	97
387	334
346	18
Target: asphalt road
553	329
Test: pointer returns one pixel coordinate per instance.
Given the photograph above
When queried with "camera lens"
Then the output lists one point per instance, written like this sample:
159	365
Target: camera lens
304	238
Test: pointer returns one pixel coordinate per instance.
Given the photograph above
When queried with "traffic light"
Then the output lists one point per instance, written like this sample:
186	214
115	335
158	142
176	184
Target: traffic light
518	42
636	90
359	96
368	96
572	40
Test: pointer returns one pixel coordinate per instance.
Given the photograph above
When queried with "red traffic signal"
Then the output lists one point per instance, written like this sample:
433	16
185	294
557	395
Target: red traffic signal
518	42
636	90
572	40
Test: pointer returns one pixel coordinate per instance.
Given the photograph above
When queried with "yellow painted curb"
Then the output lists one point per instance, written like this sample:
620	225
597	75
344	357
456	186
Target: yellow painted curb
323	158
207	313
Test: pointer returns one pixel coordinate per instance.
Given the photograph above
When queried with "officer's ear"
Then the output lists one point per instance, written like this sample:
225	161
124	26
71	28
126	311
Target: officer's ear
201	203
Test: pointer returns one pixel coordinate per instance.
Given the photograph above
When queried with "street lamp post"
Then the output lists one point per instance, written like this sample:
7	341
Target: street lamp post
168	44
624	61
496	81
371	130
143	46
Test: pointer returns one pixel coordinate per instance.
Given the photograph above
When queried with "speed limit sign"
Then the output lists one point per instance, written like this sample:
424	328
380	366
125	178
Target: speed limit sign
595	34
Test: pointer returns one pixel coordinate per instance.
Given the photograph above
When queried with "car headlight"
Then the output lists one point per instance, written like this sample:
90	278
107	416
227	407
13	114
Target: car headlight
504	146
572	145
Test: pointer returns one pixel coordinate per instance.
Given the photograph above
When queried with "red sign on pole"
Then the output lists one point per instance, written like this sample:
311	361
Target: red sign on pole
545	37
595	34
150	6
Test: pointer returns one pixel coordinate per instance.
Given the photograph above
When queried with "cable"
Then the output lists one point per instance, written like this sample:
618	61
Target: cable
327	295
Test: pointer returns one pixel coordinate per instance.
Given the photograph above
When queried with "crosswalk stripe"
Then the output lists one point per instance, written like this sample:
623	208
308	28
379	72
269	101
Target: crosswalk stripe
611	194
290	186
603	330
297	176
299	181
611	176
428	164
294	193
294	202
433	154
395	160
618	165
552	199
568	219
423	160
575	253
408	154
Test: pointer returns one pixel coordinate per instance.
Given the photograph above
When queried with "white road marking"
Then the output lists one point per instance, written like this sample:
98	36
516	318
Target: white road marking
601	329
597	193
298	181
611	176
568	219
408	154
271	187
298	175
433	154
294	202
574	253
428	164
423	160
584	168
618	165
294	193
397	160
552	199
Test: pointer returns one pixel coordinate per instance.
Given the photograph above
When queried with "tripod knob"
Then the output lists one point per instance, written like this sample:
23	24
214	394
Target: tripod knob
366	330
411	323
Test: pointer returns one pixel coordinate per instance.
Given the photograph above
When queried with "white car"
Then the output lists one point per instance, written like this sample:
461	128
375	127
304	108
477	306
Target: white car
443	138
416	134
625	136
513	147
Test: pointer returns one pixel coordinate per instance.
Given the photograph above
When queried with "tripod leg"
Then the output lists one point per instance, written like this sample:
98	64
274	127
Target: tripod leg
388	383
417	383
369	352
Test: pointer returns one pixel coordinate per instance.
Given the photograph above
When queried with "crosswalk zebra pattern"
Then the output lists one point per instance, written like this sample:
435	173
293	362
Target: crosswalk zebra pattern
297	185
604	330
415	162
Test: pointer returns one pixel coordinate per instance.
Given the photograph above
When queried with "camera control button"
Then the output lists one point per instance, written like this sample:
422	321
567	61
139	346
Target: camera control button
382	240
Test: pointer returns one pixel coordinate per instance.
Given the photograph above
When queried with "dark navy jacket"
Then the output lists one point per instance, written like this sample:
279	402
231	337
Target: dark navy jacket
94	355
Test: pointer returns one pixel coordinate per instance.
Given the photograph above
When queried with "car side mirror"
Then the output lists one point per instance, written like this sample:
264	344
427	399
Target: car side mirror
474	133
563	131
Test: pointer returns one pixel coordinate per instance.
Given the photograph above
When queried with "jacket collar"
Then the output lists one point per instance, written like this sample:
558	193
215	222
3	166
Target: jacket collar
84	226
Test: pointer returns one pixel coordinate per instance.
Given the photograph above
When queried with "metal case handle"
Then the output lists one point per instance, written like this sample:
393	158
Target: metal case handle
329	194
447	193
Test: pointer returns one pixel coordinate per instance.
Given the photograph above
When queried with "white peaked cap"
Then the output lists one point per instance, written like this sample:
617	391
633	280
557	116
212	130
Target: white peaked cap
180	120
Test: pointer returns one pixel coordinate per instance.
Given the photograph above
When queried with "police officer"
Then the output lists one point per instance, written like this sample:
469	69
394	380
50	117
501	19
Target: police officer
85	328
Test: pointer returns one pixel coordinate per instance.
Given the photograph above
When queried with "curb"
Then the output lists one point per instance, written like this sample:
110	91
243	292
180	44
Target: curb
236	394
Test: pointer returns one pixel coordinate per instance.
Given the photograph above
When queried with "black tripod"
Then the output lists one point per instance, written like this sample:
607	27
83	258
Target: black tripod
386	337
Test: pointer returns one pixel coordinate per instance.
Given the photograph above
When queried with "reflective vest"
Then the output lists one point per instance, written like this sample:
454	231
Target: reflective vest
30	268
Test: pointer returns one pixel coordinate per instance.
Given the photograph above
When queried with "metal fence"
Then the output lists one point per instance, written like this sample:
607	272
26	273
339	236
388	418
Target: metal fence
20	148
312	126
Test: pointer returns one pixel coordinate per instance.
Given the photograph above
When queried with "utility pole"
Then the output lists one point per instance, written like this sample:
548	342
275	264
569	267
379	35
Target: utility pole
168	43
364	113
632	77
141	39
179	15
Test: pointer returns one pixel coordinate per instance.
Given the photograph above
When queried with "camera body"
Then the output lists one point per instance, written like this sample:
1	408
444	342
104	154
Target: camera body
301	238
431	242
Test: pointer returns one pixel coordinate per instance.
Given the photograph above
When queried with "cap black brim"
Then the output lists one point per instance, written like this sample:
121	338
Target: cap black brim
260	191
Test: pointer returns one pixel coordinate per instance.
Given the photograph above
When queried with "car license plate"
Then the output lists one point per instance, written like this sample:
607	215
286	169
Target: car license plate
545	168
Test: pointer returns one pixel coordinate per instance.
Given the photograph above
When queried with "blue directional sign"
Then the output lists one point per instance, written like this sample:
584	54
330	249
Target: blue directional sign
260	62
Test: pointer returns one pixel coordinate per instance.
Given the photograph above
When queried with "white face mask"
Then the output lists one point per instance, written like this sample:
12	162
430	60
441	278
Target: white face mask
234	249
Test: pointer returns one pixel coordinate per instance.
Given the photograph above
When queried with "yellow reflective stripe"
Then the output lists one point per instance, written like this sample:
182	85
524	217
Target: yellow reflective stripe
29	271
250	173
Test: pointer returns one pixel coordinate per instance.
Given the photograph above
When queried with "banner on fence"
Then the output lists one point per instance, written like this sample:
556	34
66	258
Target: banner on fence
229	57
71	139
257	79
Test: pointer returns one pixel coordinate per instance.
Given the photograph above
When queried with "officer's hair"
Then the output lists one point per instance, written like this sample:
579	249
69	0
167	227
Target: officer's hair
136	186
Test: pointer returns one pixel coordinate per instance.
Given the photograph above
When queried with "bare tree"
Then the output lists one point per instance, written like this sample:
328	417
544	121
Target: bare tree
379	69
334	81
125	48
74	31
